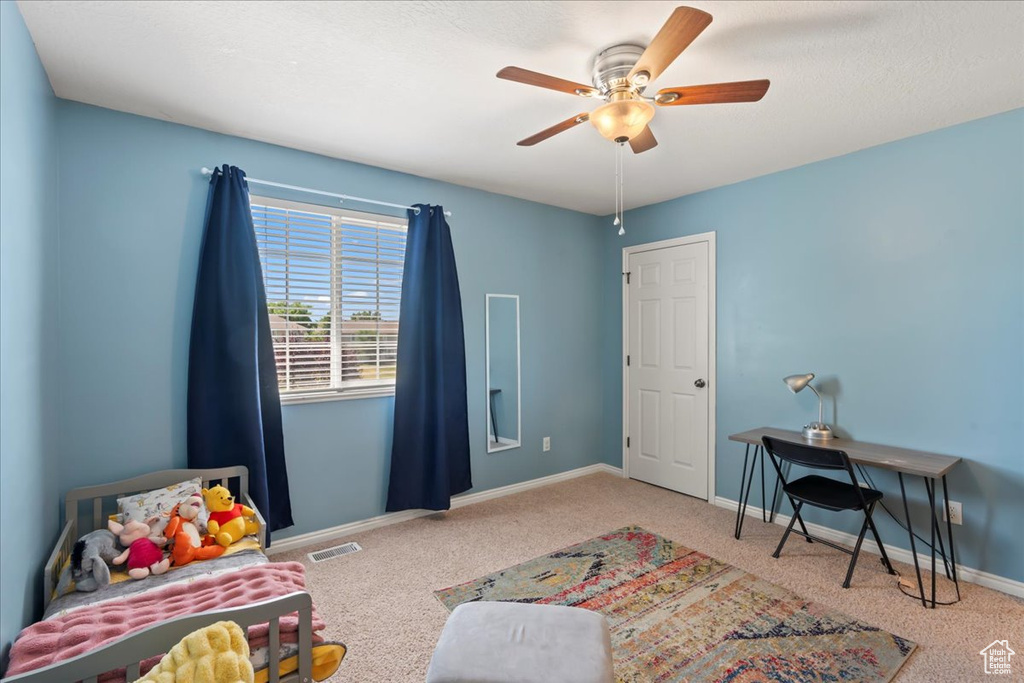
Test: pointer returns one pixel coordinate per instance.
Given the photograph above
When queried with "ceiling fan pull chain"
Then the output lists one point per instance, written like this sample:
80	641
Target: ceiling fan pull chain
622	194
616	188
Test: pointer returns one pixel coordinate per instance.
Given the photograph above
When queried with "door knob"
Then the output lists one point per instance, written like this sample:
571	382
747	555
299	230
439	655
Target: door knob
699	384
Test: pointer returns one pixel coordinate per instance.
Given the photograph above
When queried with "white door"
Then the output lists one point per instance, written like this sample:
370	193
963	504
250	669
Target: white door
667	388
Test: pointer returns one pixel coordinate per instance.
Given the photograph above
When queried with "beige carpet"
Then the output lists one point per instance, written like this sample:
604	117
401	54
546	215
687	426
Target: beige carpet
379	601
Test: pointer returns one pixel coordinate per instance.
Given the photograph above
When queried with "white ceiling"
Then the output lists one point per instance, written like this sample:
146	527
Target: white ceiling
410	86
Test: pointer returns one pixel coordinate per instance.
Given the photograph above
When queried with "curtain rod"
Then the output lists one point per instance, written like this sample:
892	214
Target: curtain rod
342	197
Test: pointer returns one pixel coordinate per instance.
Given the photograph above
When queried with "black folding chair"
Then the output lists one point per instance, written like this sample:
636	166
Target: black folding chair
826	493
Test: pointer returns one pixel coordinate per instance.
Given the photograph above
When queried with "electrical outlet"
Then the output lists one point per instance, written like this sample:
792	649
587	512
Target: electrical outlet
547	443
954	513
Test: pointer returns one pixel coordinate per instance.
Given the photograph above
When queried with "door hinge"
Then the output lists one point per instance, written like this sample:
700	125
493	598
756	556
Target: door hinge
627	277
627	359
627	442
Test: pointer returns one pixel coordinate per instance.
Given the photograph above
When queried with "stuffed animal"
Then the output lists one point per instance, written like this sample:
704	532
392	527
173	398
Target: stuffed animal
144	554
228	521
218	653
89	559
188	544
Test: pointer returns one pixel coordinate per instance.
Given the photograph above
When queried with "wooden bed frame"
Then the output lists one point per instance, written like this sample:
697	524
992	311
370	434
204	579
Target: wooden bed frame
129	652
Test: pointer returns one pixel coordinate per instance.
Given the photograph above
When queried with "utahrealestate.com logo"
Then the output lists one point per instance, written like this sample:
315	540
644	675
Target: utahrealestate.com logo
997	657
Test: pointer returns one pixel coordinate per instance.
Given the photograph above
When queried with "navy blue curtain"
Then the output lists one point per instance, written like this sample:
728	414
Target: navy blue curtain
234	409
430	451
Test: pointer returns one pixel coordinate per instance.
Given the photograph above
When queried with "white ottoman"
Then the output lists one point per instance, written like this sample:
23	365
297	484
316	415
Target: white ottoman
509	642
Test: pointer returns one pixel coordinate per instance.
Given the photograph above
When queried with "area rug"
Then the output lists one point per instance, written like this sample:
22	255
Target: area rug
678	615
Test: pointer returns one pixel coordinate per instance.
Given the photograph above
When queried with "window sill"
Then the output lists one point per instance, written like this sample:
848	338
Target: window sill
324	397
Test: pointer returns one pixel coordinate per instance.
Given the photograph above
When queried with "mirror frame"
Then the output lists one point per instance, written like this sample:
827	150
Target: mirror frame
487	374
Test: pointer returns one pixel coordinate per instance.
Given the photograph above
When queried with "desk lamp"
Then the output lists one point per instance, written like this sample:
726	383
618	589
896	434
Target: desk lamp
816	430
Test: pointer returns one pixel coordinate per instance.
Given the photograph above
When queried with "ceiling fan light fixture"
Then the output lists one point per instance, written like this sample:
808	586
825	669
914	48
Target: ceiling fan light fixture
622	120
621	74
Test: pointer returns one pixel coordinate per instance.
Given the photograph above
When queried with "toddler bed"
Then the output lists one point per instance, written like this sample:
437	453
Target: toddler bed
120	631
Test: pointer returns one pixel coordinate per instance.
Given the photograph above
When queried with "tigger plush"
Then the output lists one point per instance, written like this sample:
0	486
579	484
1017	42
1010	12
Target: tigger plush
181	529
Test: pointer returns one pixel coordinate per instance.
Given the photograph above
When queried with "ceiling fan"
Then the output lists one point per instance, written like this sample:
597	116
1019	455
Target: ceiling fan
622	73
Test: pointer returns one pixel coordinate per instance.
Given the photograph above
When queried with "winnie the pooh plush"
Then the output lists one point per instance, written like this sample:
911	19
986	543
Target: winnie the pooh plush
228	521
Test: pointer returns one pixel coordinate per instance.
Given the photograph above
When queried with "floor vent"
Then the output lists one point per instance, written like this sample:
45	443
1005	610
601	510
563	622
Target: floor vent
336	551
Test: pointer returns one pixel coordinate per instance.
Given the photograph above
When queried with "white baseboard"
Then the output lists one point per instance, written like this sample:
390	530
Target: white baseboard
333	533
993	581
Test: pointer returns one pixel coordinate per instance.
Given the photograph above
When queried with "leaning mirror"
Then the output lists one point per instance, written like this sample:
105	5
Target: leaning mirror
503	409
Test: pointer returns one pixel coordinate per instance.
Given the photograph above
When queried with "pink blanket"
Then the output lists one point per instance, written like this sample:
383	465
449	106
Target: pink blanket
89	628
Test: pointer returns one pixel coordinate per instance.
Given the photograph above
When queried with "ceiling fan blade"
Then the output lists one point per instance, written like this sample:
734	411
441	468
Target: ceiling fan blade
714	93
554	130
514	73
685	24
643	142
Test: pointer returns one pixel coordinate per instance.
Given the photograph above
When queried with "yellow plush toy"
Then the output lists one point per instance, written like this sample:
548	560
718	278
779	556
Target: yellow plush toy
228	521
216	654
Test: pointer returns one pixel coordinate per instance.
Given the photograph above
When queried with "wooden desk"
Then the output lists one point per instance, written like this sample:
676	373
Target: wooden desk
928	466
904	460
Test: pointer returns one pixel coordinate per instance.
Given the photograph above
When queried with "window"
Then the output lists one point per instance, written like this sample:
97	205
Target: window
334	281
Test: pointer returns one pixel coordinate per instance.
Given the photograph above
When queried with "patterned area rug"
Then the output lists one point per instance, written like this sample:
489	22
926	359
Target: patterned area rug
679	615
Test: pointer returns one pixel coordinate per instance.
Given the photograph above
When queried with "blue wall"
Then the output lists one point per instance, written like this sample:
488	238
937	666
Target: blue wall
895	274
28	323
134	201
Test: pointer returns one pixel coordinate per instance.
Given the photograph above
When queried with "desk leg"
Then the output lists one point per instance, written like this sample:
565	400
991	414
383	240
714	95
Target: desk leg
949	531
913	546
937	530
738	527
764	503
745	496
932	487
929	485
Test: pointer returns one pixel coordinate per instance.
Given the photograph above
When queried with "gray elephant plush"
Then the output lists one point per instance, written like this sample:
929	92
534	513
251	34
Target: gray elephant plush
90	557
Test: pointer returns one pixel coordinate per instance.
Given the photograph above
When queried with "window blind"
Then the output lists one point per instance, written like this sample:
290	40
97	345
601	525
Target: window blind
333	279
